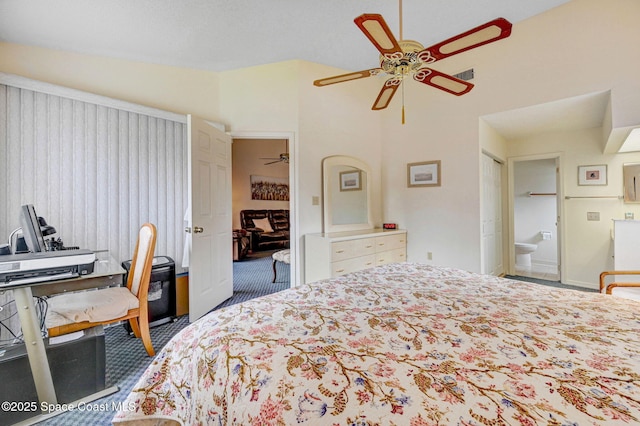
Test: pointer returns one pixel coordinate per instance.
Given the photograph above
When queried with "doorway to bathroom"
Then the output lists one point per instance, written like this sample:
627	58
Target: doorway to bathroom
535	223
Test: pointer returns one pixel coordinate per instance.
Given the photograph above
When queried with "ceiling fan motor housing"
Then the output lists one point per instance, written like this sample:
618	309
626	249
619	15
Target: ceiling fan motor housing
402	64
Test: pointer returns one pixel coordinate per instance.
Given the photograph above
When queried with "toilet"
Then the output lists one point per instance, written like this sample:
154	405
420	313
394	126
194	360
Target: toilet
523	254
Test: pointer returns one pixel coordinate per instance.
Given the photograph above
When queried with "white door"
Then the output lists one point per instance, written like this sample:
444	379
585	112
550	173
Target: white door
491	216
210	262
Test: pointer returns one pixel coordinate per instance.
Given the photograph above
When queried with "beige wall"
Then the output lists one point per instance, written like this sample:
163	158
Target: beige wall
270	99
578	48
584	46
587	244
324	121
246	161
180	90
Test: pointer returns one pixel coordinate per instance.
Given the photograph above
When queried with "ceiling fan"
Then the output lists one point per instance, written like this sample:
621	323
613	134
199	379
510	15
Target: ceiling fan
282	158
407	58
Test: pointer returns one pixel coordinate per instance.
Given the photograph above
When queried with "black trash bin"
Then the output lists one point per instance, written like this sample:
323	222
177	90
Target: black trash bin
162	291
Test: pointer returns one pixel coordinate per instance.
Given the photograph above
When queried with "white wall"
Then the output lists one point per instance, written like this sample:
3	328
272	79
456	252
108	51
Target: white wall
583	46
587	250
548	57
534	214
325	121
181	90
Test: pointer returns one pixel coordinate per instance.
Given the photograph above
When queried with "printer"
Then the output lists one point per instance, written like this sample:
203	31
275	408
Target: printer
29	268
41	259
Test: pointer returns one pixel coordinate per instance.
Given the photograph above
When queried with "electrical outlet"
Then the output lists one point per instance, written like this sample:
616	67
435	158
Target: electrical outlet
315	200
429	255
594	216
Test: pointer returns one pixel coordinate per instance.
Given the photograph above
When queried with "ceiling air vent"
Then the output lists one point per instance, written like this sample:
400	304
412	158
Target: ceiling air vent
465	75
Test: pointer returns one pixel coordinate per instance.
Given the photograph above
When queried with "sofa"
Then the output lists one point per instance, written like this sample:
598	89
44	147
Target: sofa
269	229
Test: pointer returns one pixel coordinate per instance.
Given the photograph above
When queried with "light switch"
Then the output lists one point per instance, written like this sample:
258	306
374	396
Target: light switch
315	200
595	216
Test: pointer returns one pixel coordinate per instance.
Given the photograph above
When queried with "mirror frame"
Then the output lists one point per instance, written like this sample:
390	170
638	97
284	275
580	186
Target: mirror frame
343	160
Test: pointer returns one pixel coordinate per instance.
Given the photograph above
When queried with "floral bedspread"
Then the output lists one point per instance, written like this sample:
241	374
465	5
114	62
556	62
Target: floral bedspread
402	344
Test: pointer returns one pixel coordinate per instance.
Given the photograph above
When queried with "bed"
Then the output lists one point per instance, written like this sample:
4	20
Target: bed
401	344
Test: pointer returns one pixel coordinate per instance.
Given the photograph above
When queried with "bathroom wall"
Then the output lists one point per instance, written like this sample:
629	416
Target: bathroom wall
533	214
587	245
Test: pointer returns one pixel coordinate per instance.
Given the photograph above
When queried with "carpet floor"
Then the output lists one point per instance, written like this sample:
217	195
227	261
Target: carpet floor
126	358
556	284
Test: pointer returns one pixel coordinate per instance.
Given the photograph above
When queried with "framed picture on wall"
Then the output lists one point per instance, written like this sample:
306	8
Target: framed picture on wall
631	178
592	175
350	181
269	188
426	173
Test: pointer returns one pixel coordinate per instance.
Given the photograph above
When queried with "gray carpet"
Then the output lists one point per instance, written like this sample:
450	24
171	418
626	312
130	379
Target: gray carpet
127	359
556	284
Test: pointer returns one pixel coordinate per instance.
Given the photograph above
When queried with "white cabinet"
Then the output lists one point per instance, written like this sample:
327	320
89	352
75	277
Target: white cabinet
626	246
334	254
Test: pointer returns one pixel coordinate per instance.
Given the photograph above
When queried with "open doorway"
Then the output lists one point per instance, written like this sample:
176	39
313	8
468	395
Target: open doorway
535	215
262	198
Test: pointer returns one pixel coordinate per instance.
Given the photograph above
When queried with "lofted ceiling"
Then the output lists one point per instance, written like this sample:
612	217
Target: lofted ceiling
580	112
220	35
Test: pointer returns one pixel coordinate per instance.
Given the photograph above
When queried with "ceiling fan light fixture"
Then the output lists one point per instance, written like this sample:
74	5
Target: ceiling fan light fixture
400	59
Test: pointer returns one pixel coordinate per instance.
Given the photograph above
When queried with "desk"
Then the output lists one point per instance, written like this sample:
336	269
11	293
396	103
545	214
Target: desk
107	272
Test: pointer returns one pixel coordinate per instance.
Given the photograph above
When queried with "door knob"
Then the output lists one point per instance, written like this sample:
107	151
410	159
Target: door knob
198	229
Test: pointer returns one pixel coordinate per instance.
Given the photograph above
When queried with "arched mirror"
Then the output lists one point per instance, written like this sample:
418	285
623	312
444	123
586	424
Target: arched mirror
346	194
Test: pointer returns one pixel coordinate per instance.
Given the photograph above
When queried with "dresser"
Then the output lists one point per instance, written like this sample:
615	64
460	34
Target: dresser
333	254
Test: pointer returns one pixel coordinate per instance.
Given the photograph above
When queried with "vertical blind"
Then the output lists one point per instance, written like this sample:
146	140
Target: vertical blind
94	172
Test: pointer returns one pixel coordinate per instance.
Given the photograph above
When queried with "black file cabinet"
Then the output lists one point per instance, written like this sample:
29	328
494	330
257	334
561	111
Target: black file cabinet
162	290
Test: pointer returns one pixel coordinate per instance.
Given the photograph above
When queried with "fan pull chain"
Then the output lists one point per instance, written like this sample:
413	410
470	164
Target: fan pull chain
402	103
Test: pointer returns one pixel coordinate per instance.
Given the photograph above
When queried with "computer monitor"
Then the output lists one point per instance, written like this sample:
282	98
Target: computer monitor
31	229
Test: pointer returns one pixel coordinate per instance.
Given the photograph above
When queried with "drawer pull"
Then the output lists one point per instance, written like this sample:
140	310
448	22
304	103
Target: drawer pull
340	270
380	244
369	263
339	251
369	246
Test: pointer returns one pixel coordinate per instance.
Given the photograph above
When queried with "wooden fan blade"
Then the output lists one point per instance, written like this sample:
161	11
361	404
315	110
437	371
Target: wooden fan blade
386	93
442	81
347	77
486	33
378	32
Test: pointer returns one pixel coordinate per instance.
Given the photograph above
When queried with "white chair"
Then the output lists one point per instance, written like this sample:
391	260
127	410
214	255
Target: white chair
72	312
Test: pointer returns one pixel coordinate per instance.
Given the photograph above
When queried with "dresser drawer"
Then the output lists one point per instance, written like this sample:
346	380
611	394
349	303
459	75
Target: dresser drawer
352	265
391	242
341	250
391	256
331	255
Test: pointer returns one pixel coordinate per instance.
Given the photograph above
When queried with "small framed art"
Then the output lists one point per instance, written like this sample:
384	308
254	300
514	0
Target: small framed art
592	175
426	173
350	181
631	178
